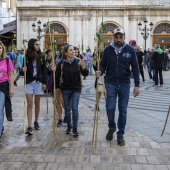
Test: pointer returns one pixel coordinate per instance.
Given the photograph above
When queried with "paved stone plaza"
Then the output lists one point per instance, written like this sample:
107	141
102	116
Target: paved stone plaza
144	149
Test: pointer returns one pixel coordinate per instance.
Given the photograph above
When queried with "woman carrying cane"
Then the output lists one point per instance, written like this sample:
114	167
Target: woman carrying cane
68	79
36	79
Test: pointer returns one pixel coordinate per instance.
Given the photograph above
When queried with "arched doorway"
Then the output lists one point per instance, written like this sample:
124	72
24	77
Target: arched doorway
107	35
161	35
60	36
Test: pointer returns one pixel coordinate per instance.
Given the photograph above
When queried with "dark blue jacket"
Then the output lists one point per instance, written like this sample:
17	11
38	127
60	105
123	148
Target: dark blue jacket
117	67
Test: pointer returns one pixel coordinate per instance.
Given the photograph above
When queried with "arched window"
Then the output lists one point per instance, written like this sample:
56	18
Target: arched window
57	28
162	28
109	28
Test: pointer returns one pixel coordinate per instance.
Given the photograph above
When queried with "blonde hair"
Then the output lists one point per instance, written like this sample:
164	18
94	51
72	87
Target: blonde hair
3	49
138	48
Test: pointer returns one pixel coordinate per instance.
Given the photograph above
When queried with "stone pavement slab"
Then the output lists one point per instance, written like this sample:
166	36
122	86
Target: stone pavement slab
47	151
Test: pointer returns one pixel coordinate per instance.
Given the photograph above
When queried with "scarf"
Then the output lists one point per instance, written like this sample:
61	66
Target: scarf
158	50
117	50
4	57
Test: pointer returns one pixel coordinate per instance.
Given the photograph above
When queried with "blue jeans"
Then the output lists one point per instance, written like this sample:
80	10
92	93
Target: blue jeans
90	66
2	104
71	101
122	91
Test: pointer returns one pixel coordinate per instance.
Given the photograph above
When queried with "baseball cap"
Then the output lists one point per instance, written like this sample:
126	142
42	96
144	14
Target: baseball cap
119	30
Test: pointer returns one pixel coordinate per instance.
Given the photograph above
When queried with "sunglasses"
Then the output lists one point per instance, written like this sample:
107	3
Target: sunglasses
37	44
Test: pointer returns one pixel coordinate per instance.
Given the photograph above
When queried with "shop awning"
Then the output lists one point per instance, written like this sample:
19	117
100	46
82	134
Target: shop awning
9	28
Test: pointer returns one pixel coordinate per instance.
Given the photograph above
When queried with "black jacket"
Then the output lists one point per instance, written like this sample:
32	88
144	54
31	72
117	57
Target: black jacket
41	72
70	75
158	59
4	87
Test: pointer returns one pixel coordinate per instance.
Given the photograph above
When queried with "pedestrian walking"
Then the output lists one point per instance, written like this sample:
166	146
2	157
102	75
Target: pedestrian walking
6	87
68	79
36	79
140	57
158	59
20	59
59	98
151	71
116	61
48	62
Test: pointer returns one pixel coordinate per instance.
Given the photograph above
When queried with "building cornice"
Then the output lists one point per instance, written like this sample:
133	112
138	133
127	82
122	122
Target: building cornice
116	7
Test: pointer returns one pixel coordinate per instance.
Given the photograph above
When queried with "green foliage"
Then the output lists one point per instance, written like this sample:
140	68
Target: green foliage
99	37
103	27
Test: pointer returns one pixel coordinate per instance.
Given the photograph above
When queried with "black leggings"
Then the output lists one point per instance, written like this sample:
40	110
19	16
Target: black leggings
142	72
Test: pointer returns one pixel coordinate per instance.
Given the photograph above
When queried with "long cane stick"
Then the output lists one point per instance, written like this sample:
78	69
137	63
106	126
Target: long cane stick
47	99
54	88
25	115
96	114
166	121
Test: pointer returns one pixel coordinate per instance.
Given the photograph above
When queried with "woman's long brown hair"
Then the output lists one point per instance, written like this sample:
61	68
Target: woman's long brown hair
3	49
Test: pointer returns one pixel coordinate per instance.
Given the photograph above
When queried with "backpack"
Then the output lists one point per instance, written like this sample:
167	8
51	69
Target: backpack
7	62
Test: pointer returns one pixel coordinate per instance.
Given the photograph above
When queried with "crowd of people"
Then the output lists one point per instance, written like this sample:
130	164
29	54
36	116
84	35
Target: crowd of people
118	62
155	61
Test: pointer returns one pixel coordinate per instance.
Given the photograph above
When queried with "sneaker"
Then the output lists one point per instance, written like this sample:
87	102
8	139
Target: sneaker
15	83
59	123
68	131
161	85
36	126
2	131
155	85
75	133
109	135
29	131
120	141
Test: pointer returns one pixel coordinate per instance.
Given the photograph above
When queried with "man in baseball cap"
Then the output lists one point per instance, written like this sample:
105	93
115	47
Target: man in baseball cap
116	61
119	30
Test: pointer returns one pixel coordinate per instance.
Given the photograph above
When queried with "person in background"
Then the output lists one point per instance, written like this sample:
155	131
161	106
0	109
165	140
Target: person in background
86	61
77	52
90	63
158	59
151	66
165	62
68	79
146	58
11	56
6	86
49	72
140	57
36	79
59	98
20	59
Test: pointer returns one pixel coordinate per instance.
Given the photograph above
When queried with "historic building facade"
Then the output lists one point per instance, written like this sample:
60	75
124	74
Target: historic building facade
77	21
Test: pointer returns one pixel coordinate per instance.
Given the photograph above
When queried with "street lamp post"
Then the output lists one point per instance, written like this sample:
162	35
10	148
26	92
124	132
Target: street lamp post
145	30
39	30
